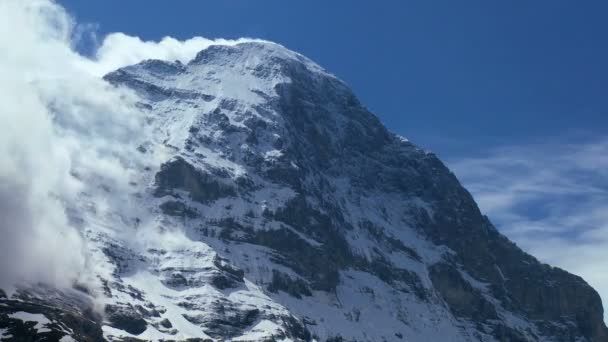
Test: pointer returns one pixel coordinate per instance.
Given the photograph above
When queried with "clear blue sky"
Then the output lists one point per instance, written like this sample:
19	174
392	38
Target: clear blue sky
449	75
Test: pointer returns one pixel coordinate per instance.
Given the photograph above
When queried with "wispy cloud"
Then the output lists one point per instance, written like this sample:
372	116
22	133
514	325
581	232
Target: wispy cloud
59	119
55	119
551	199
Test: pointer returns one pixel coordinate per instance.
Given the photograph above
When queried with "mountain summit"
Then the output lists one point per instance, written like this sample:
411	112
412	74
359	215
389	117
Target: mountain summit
273	206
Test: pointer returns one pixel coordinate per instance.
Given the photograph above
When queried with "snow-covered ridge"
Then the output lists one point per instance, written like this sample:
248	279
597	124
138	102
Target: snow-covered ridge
243	68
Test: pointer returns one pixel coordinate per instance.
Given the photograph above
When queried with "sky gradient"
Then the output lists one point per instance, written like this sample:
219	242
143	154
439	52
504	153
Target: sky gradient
512	95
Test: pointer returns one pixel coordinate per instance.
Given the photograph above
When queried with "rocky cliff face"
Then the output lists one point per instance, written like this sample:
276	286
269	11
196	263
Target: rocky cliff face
274	206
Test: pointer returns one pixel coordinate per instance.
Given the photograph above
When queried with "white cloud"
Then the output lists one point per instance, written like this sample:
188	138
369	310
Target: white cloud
118	50
59	119
34	171
552	200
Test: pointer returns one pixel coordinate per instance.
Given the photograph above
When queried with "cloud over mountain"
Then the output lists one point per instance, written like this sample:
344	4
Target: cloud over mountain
50	98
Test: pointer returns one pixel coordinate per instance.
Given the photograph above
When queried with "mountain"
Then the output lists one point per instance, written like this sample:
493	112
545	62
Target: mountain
273	206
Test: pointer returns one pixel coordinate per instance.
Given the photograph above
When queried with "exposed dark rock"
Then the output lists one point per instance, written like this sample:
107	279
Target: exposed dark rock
179	174
229	277
392	274
228	320
295	329
166	323
378	234
283	282
462	298
65	312
126	318
319	265
176	208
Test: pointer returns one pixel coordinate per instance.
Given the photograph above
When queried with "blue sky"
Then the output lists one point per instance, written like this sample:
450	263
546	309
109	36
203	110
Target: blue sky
511	94
449	75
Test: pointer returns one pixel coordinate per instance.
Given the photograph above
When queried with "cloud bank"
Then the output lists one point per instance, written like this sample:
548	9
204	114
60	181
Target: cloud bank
62	125
552	200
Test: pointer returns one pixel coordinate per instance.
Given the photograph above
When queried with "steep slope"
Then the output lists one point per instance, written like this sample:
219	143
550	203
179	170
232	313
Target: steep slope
272	205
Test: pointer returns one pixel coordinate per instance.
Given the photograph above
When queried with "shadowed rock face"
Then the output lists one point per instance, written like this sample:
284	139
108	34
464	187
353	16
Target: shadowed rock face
126	318
307	219
69	313
522	284
324	134
179	175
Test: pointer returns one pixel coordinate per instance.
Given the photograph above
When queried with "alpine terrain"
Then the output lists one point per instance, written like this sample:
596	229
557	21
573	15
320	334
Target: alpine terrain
270	205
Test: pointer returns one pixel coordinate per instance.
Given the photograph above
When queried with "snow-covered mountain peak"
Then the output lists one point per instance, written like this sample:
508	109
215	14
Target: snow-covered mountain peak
254	54
245	71
250	88
273	206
